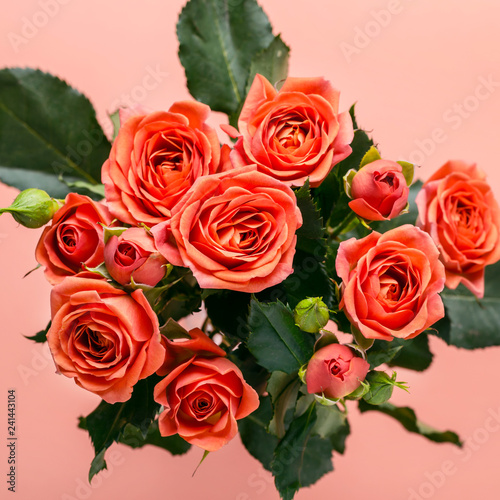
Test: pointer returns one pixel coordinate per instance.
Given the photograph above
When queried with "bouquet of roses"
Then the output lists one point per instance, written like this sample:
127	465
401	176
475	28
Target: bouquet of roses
318	264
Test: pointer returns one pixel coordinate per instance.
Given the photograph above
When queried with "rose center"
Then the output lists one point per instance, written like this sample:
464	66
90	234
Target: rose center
387	178
337	367
69	238
203	404
126	254
168	155
91	342
292	135
392	284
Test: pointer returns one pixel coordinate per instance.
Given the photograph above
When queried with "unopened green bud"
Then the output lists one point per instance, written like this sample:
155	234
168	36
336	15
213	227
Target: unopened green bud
381	387
33	208
311	314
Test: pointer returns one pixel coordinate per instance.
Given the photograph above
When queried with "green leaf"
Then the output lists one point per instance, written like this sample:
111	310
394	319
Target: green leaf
40	336
275	341
48	130
172	330
413	354
98	464
371	155
217	41
258	442
352	113
115	120
408	171
382	352
301	458
471	322
272	62
107	422
333	425
283	389
406	416
133	437
312	223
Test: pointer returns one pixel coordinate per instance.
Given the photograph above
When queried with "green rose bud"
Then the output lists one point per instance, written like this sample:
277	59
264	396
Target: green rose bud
311	314
33	208
381	387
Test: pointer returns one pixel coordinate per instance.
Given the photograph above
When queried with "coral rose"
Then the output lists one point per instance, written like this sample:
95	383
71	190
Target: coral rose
74	240
456	206
391	283
335	371
379	191
104	338
203	398
133	256
234	230
155	159
296	133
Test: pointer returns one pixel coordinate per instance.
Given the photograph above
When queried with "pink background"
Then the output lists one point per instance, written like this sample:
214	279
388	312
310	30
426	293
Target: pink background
411	66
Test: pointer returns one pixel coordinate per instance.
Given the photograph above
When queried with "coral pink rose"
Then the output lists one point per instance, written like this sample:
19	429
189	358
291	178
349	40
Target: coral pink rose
74	239
155	159
133	256
335	371
234	230
296	133
456	206
203	398
391	283
104	338
379	191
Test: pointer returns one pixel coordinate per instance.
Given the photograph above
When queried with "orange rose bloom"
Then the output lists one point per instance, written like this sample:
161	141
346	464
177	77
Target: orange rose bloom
234	230
391	283
102	337
203	395
456	206
294	134
155	159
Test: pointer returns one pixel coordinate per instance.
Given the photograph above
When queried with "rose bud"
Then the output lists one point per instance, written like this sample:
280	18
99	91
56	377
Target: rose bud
379	190
133	256
311	314
335	371
381	387
33	208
